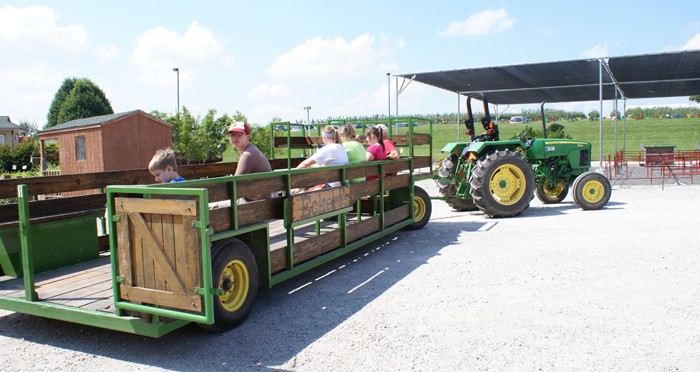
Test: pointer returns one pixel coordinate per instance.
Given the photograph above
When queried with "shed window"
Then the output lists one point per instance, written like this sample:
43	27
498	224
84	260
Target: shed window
80	148
2	139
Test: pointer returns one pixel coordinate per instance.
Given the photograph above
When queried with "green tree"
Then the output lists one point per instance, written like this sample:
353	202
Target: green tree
695	99
594	115
30	127
77	99
197	140
85	100
58	99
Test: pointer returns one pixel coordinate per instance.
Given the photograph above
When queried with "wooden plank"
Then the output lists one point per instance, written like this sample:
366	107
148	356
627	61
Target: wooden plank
162	298
298	142
155	251
124	248
219	191
314	247
188	259
261	186
310	204
156	206
398	181
66	286
366	227
103	292
95	291
421	162
418	139
100	180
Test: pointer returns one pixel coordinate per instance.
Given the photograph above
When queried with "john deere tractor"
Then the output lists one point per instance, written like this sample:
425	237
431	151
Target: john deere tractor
499	177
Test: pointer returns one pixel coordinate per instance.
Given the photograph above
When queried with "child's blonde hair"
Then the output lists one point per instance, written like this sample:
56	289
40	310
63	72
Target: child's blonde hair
162	159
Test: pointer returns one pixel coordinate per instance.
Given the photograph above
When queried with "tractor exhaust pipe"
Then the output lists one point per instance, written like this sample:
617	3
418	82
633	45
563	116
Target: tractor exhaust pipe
544	125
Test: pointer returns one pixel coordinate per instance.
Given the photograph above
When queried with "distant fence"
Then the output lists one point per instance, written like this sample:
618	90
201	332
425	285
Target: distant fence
658	166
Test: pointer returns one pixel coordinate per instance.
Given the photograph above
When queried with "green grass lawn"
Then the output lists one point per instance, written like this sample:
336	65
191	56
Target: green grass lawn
683	133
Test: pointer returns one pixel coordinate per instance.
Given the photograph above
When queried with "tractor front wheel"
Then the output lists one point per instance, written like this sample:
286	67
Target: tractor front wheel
502	184
591	190
552	194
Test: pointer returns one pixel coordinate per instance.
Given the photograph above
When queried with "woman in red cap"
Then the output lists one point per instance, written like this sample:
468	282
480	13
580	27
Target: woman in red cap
250	158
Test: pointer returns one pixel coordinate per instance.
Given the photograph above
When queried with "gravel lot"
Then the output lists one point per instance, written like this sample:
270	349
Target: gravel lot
557	288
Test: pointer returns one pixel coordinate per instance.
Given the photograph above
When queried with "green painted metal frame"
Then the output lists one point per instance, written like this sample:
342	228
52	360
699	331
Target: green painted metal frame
118	321
208	290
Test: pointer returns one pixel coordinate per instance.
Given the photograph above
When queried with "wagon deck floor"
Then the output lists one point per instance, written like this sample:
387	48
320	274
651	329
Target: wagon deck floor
88	285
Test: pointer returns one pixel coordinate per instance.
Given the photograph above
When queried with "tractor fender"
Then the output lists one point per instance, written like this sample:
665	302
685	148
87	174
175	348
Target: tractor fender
482	148
455	147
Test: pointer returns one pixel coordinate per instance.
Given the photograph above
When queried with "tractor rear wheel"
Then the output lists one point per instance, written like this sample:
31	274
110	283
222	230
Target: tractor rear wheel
591	190
502	184
235	275
552	194
456	202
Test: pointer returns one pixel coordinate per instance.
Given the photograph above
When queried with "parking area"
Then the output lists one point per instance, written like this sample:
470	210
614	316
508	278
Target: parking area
555	288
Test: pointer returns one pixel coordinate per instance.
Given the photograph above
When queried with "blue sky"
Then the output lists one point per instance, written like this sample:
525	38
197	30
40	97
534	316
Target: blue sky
271	59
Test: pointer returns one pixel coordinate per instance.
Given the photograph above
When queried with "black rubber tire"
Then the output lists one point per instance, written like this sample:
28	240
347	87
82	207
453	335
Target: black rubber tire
232	262
461	205
456	202
591	190
422	208
502	184
552	195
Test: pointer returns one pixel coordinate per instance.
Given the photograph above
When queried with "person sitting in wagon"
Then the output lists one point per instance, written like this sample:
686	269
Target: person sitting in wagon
332	153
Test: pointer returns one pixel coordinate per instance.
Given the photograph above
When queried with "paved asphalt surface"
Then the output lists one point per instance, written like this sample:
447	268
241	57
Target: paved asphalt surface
556	288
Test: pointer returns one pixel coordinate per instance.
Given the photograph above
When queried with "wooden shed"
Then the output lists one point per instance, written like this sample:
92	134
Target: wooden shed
112	142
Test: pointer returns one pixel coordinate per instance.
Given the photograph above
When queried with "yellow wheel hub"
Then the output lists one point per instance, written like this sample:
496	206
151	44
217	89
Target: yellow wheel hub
553	191
593	191
233	285
419	208
507	184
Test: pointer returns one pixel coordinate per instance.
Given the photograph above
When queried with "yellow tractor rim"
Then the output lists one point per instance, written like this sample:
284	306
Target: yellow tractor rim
419	208
507	184
593	191
553	191
233	285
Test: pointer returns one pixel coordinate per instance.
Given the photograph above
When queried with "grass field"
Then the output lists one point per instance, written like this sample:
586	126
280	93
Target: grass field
683	133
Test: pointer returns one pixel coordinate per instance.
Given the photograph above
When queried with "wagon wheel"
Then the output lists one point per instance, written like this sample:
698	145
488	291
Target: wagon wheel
502	184
235	275
591	190
422	209
552	194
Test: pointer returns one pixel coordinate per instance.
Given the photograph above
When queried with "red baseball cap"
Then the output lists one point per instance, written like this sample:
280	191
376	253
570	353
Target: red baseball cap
240	127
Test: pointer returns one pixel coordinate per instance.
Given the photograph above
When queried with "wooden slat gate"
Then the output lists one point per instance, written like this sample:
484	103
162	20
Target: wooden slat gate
159	251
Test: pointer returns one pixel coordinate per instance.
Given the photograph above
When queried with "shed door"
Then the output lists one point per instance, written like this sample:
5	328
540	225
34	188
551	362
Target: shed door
159	252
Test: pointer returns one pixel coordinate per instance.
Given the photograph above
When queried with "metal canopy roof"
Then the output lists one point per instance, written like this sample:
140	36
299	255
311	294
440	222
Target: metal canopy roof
642	76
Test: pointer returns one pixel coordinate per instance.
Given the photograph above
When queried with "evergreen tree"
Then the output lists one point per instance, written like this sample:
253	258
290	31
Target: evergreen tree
77	99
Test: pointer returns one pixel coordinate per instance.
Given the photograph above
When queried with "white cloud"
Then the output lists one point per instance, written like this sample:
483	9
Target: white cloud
267	91
329	60
483	23
597	51
36	26
106	53
693	43
158	50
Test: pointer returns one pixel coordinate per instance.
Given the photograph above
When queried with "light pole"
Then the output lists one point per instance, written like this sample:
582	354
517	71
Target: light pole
388	92
177	70
307	108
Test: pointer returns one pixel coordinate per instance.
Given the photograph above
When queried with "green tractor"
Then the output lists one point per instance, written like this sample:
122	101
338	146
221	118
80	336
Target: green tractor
500	177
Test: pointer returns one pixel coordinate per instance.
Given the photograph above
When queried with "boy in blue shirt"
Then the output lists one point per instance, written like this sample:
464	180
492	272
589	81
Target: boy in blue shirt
163	166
